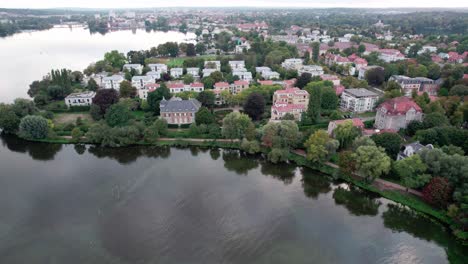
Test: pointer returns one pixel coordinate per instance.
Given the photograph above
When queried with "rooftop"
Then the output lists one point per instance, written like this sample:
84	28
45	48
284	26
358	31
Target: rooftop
360	92
176	104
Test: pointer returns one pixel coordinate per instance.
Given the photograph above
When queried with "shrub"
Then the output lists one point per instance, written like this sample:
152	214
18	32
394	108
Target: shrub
250	147
437	192
76	134
278	155
33	127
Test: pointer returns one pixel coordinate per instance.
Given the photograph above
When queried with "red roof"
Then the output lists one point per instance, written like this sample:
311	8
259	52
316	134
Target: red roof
266	82
400	105
221	85
283	107
329	77
339	89
357	122
241	82
196	84
294	90
360	61
176	85
353	56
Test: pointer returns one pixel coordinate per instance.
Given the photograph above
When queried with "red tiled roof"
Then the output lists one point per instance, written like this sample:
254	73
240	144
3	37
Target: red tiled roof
241	82
339	89
266	82
196	84
283	107
360	61
221	85
176	85
400	105
294	90
329	77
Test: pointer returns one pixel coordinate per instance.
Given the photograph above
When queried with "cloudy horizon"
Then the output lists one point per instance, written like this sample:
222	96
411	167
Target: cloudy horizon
240	3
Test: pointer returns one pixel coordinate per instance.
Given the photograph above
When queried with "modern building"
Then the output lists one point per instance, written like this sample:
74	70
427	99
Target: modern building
177	72
177	111
194	71
358	100
140	81
80	99
155	75
180	87
243	75
143	92
313	70
159	67
292	64
137	67
112	82
397	113
237	65
292	100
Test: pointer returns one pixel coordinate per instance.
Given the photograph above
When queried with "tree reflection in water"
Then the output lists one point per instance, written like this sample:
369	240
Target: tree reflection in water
215	153
36	150
284	172
238	162
314	183
80	149
129	155
356	201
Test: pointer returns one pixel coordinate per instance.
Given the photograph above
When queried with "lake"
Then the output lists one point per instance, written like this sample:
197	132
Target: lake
29	56
87	204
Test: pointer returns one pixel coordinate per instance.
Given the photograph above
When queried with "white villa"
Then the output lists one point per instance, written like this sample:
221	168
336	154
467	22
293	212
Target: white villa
80	99
140	81
243	75
314	70
208	72
292	64
177	72
137	67
155	75
237	65
195	72
112	82
158	67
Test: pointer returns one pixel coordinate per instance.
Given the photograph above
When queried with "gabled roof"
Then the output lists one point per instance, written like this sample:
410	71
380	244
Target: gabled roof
176	104
399	106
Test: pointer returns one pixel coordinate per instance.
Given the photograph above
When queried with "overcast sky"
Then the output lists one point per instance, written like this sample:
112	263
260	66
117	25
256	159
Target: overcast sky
259	3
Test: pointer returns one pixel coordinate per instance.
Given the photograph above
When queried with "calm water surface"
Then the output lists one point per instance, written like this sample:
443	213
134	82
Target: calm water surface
26	57
85	204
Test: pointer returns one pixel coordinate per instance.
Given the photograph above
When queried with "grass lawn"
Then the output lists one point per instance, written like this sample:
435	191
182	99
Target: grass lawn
366	114
175	62
64	118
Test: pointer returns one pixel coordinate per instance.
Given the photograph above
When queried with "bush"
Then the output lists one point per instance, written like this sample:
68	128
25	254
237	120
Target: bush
278	155
76	134
33	127
250	147
437	192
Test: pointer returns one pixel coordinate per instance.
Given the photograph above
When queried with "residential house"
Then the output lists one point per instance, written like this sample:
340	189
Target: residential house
243	75
208	72
357	122
159	67
177	72
332	78
112	82
418	85
213	65
176	87
239	86
237	65
140	81
180	87
80	99
194	71
178	112
268	75
143	92
137	67
292	64
245	45
358	100
411	149
397	113
219	87
155	75
292	100
196	87
313	70
390	55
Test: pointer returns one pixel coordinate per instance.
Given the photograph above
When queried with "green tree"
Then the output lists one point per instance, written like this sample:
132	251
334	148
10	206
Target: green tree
155	97
115	59
204	116
303	80
375	76
411	171
92	85
127	90
236	125
329	100
372	162
206	98
188	79
284	134
9	121
104	98
315	51
315	103
33	127
254	106
390	142
320	146
345	133
76	134
118	115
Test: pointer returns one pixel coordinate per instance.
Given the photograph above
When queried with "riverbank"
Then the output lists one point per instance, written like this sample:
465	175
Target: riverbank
409	199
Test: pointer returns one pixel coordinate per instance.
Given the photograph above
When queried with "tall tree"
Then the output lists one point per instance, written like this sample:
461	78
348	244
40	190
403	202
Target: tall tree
390	142
411	171
207	98
372	162
155	97
115	59
320	146
254	106
104	98
127	90
303	80
236	125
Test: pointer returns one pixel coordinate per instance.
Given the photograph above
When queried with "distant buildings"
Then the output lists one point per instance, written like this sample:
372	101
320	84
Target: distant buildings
180	87
137	67
267	73
80	99
213	65
390	55
177	72
292	64
143	92
292	100
155	75
159	67
243	75
397	113
313	70
358	100
237	65
140	81
194	71
417	84
112	82
177	111
239	86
